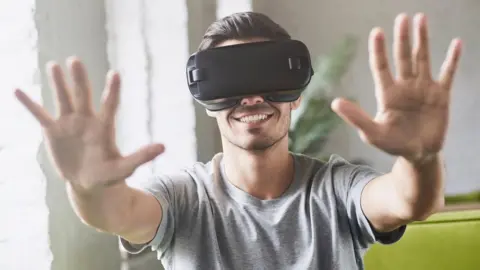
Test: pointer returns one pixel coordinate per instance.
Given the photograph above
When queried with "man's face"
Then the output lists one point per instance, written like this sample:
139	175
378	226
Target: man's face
255	124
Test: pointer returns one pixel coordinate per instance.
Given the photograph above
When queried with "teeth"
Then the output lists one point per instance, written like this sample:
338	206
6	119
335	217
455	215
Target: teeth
253	118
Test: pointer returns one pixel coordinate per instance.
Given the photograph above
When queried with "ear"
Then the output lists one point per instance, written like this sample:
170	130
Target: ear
295	104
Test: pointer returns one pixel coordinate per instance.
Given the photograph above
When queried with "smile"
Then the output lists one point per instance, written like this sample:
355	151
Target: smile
254	118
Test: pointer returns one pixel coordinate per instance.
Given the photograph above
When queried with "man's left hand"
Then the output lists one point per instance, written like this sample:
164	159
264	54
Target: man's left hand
412	108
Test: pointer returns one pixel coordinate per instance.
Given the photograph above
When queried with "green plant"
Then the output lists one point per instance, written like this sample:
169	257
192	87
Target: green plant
314	120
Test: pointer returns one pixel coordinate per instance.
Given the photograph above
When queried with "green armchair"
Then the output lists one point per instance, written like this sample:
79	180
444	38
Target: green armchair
449	240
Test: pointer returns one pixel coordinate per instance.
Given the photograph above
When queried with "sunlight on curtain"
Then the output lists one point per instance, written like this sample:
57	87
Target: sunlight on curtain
149	47
24	243
148	44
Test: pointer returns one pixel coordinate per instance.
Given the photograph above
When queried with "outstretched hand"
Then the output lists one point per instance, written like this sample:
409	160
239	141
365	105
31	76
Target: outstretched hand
413	108
80	140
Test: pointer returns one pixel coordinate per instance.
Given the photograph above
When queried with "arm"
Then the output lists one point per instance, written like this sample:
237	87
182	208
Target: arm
410	192
411	123
82	146
127	212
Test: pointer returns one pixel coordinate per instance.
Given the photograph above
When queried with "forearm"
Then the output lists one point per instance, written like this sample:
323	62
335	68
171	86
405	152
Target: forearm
107	210
419	187
408	193
120	210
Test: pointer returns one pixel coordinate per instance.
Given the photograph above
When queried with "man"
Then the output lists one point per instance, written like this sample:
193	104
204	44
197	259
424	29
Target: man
257	206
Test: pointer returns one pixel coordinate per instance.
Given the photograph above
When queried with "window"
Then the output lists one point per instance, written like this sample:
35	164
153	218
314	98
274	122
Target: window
22	184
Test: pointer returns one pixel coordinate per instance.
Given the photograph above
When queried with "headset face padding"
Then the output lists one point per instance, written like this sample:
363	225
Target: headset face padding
225	103
279	71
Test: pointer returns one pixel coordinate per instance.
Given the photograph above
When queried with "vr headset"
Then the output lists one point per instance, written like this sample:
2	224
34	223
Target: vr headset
220	77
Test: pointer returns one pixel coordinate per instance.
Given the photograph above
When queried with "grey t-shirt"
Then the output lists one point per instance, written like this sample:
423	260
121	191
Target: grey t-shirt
318	223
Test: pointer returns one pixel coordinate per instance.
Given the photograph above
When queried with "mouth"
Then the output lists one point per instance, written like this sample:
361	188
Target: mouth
254	118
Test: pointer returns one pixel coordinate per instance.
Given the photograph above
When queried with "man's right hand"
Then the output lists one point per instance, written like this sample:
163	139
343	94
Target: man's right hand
81	143
80	140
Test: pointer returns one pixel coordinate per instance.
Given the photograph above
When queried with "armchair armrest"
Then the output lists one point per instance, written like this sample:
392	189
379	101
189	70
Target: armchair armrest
449	240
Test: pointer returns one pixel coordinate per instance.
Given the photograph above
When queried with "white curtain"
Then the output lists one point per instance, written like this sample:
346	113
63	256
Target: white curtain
24	243
148	44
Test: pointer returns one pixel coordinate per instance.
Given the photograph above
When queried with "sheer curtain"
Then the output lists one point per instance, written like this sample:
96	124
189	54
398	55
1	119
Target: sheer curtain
24	243
148	44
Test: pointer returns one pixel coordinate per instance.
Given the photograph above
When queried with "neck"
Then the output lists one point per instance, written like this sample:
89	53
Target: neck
263	174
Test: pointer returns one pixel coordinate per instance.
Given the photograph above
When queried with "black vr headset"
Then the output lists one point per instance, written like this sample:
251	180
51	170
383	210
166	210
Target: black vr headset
220	77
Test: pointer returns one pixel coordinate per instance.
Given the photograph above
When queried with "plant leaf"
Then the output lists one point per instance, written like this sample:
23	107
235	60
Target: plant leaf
329	70
314	129
314	120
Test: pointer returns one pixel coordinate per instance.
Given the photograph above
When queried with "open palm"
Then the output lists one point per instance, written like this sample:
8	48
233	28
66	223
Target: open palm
80	140
412	109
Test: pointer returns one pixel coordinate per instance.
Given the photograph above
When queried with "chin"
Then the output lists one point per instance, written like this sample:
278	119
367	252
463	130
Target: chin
258	146
254	144
254	139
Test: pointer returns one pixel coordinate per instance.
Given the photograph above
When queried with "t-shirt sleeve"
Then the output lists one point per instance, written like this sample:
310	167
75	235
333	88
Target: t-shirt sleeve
164	188
349	181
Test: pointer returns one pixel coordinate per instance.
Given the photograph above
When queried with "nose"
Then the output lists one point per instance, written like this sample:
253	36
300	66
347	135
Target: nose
248	101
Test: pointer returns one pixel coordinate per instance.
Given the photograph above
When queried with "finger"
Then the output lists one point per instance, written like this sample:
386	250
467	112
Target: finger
42	116
378	59
111	96
402	50
357	117
449	66
127	165
82	92
57	81
421	51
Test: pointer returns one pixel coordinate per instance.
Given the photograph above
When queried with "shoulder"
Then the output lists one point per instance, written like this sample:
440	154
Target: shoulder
307	162
335	171
197	177
333	159
185	181
200	173
339	167
316	166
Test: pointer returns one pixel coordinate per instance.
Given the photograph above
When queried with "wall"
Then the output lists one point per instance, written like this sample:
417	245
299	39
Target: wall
321	24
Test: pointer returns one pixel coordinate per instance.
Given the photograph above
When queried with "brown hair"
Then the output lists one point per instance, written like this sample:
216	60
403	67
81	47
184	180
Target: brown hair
242	25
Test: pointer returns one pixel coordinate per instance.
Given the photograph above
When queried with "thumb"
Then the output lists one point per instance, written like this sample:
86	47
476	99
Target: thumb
130	163
357	117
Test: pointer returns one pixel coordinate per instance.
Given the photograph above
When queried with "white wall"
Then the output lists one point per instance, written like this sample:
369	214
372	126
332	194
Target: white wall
321	24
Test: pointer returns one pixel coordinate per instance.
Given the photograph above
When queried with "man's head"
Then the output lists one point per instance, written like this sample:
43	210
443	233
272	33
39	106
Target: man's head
255	124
